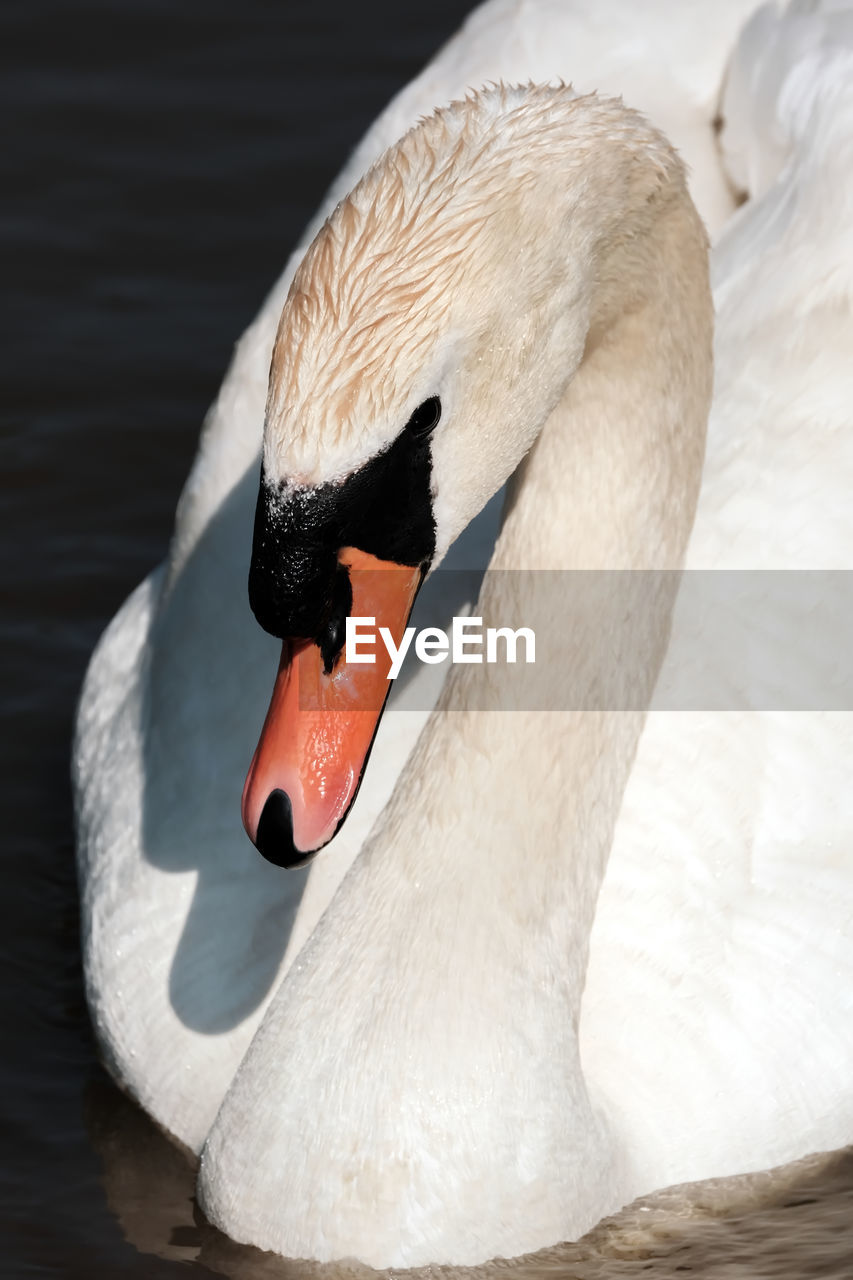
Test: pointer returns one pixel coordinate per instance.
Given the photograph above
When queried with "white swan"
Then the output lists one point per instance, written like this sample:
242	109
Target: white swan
178	684
669	1100
419	1065
418	1090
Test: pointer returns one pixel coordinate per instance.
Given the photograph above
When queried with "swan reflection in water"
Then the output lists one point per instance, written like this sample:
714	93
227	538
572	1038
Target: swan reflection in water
791	1222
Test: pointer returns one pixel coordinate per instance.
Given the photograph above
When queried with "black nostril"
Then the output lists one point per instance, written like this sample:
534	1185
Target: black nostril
274	840
331	638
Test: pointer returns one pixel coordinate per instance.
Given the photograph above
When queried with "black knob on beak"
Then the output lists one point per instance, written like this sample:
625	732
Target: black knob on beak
274	840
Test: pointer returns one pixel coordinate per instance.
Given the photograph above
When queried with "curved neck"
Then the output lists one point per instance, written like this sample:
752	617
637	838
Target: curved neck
516	808
448	968
610	484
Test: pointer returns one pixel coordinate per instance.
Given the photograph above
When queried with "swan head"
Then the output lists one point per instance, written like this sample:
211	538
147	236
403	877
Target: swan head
429	332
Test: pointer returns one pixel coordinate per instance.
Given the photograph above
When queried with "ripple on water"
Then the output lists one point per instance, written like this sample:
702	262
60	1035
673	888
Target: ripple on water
793	1223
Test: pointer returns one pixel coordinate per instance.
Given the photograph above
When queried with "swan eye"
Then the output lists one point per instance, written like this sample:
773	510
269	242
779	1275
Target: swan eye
425	418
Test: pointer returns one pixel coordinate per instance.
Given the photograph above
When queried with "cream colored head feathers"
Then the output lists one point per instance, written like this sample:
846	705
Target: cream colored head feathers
440	274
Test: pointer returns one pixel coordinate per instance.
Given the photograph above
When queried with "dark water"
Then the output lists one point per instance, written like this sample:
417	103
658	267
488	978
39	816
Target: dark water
160	160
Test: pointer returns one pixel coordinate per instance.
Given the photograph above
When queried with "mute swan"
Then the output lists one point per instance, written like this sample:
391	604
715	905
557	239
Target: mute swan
175	690
552	273
639	1093
418	1090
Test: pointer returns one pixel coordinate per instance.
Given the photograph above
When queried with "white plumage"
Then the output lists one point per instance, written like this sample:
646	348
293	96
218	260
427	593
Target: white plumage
722	940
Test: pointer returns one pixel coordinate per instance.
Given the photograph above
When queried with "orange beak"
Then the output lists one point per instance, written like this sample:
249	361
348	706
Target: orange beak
319	729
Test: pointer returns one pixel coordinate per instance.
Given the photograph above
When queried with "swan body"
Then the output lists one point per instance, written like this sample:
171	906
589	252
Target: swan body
450	971
734	829
178	685
721	933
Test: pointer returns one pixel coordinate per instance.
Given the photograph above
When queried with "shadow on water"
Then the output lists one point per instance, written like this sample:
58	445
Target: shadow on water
792	1222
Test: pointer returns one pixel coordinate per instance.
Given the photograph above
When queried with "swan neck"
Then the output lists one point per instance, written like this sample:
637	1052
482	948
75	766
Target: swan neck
522	826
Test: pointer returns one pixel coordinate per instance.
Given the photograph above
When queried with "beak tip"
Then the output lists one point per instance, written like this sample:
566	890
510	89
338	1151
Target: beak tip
274	837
